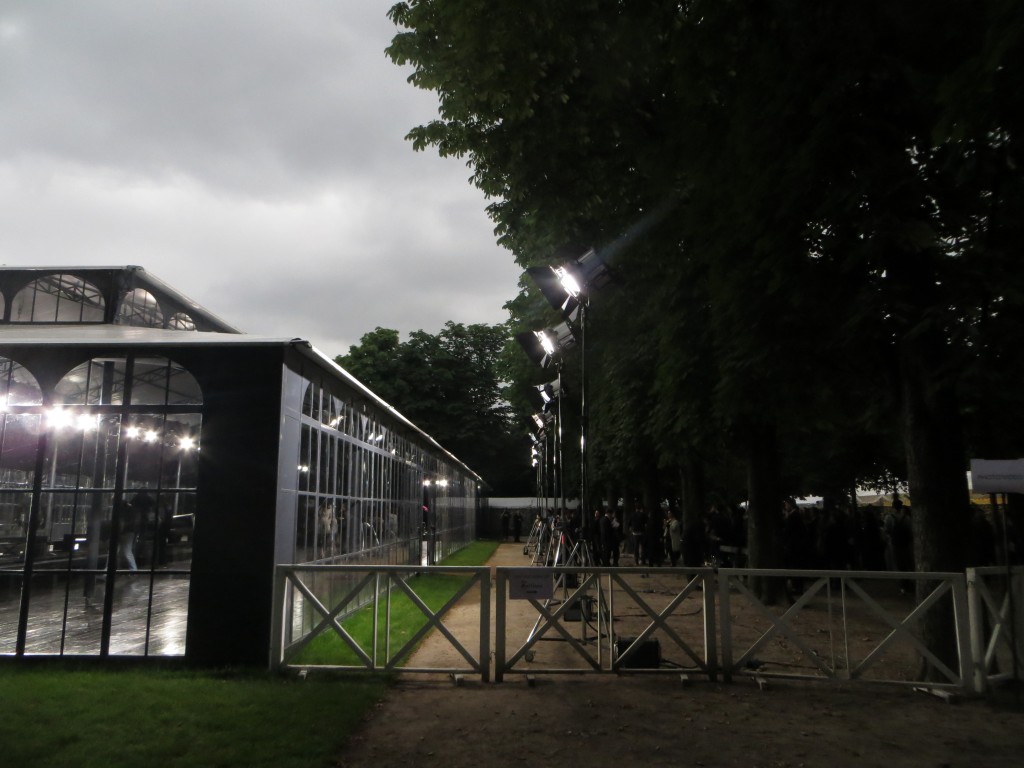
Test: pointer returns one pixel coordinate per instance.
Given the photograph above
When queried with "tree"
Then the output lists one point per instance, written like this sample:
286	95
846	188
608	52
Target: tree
822	185
451	386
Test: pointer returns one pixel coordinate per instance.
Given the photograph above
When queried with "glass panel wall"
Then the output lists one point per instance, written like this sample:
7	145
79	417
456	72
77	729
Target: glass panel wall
97	508
361	487
58	299
362	495
19	439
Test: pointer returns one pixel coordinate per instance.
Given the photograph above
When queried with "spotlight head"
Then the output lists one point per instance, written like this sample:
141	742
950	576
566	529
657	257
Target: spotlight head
544	346
531	345
590	271
549	393
567	287
549	281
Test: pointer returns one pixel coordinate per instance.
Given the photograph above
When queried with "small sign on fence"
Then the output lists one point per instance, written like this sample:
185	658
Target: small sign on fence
527	584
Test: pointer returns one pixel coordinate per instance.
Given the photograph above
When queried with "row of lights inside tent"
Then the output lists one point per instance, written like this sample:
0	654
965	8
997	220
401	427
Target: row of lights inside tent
60	418
438	483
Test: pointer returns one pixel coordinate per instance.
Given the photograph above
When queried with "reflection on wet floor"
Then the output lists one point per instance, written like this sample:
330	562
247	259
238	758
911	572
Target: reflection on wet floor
148	613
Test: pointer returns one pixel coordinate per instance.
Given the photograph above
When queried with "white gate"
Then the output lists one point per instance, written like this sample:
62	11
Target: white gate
312	602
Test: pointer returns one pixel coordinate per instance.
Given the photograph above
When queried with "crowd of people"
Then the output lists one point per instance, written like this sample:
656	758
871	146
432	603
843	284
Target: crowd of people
827	535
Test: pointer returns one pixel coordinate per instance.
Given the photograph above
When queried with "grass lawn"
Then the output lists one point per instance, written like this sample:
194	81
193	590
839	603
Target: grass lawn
63	716
82	716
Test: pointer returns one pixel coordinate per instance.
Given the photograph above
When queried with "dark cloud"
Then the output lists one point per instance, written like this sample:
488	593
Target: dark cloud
251	154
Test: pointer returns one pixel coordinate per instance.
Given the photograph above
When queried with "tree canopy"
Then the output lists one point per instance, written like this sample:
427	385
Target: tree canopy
451	385
815	211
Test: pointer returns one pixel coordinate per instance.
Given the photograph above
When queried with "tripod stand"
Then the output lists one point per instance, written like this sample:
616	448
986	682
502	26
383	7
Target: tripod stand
568	590
533	541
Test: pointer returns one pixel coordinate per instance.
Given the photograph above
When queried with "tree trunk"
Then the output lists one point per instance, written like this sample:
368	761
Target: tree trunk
936	474
692	489
764	509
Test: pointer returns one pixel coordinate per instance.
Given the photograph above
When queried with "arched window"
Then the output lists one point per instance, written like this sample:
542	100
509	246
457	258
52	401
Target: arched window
141	309
58	298
17	385
155	381
180	321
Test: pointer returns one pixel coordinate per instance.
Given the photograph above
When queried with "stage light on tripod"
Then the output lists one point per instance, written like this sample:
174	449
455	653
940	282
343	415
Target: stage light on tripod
567	286
543	347
549	393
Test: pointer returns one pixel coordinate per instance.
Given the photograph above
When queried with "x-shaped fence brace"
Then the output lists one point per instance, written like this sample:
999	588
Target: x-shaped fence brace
998	616
659	621
551	620
781	624
329	620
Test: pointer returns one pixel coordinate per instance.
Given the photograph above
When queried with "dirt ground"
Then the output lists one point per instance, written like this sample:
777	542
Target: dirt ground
615	720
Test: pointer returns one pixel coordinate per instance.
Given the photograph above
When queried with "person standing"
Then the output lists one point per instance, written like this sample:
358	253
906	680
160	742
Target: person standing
605	537
136	515
673	536
517	525
616	538
638	529
504	525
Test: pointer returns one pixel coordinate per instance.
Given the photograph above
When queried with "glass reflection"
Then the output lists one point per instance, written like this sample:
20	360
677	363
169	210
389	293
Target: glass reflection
141	309
181	322
58	298
99	533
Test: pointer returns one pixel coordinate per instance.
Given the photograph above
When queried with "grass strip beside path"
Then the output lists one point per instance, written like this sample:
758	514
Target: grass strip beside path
406	617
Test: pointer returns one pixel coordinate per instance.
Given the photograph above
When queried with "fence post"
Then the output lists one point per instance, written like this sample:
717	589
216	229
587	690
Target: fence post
976	609
277	619
725	609
485	623
501	590
964	634
710	640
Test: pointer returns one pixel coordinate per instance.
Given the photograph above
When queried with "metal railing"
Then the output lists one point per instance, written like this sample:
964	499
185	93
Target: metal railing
997	625
856	623
862	626
604	621
305	610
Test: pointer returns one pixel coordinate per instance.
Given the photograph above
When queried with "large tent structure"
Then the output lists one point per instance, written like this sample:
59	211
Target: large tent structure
156	464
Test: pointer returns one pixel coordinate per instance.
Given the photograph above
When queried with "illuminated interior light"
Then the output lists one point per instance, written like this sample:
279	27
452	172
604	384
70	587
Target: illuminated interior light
151	436
58	417
87	421
186	443
132	432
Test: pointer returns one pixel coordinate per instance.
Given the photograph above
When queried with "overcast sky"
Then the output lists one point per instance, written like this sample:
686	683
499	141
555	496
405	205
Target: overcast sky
250	154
